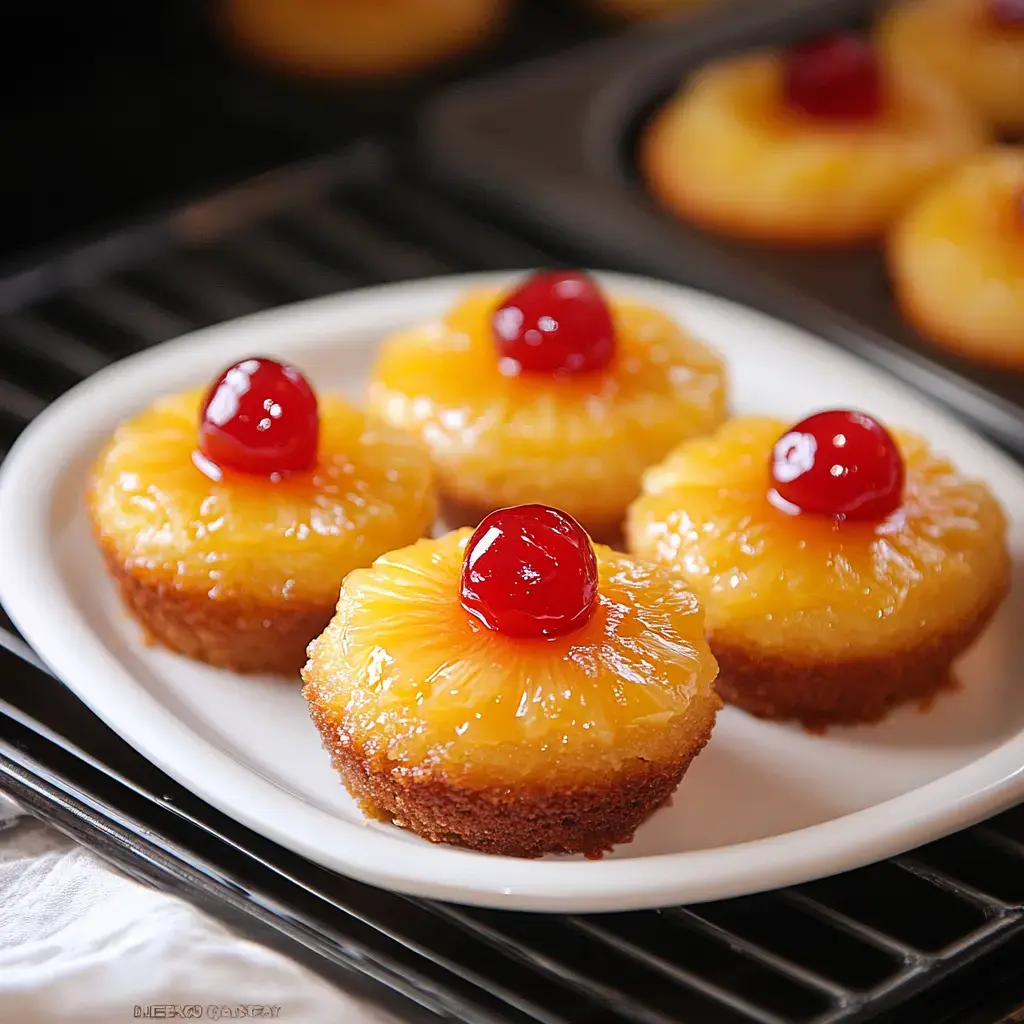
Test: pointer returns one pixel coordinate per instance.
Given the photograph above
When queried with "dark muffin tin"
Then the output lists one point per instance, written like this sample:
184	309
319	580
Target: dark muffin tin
553	143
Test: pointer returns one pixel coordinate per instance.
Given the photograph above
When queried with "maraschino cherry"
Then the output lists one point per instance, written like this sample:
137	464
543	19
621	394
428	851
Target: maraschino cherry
1007	14
839	463
556	322
529	571
835	78
260	417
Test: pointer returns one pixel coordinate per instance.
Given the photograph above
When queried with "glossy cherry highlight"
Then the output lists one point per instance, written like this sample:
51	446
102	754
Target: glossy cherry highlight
529	571
556	322
260	417
1007	14
835	78
839	463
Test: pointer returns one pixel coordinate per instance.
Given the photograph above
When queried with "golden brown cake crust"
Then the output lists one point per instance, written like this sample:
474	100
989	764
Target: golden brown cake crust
243	636
514	821
843	692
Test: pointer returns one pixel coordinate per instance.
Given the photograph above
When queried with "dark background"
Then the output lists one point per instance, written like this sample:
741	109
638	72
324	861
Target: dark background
116	110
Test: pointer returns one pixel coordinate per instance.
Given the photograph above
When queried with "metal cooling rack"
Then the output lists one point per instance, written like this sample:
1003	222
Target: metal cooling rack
926	936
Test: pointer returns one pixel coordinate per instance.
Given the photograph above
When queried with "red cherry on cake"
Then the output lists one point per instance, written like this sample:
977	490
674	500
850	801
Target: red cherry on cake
839	463
260	417
556	322
1006	13
835	78
529	571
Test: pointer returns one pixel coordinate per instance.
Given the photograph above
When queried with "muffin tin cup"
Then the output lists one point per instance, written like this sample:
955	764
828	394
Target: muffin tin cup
553	145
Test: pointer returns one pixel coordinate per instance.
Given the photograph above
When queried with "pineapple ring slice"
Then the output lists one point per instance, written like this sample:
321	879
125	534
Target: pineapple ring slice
566	743
956	40
726	154
957	260
579	444
206	565
811	620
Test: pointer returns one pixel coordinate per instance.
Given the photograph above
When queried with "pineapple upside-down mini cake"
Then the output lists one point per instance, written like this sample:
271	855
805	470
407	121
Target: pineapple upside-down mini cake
819	145
229	517
842	568
956	260
551	392
514	689
975	45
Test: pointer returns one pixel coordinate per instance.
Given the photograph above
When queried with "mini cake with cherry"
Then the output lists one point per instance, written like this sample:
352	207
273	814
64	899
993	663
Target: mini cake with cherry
553	391
823	144
514	689
843	568
976	45
229	516
956	260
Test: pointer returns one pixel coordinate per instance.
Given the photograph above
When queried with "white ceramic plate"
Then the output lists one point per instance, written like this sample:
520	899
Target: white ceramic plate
765	805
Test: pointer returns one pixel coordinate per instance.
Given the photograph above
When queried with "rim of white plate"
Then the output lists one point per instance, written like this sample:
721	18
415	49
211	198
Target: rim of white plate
34	596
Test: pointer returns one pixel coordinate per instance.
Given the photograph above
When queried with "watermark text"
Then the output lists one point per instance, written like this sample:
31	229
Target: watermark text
211	1011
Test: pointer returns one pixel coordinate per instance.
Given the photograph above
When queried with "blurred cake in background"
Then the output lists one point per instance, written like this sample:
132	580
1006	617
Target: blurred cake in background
957	260
976	45
360	38
822	144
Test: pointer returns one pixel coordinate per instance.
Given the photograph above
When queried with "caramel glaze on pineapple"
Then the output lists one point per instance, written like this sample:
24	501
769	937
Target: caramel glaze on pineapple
578	444
244	572
502	744
813	621
727	154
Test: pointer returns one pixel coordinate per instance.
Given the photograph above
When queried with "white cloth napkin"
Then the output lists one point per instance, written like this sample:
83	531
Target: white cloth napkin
82	943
